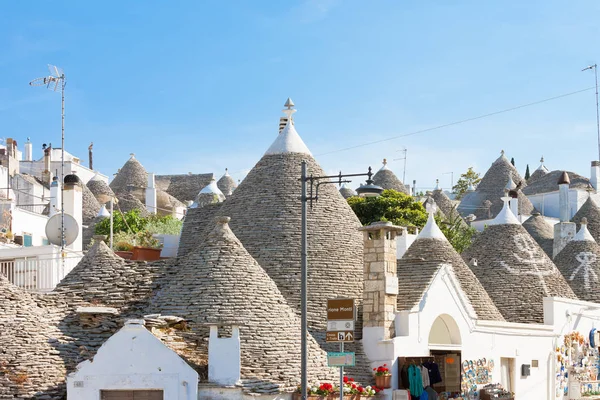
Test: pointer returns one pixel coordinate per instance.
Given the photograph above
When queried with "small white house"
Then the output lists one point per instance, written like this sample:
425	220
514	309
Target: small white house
133	362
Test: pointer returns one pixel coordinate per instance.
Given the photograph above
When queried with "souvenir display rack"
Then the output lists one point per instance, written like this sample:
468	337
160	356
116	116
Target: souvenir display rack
576	367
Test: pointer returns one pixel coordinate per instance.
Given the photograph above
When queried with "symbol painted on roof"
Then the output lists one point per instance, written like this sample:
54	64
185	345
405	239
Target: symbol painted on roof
525	245
586	259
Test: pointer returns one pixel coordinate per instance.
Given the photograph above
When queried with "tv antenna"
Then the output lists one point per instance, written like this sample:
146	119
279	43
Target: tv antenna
595	68
405	151
54	81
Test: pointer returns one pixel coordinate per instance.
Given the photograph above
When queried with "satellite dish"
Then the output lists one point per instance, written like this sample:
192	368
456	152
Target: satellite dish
53	229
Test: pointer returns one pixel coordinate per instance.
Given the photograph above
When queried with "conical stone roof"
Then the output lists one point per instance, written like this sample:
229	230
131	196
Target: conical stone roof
346	191
549	182
386	179
210	194
30	362
105	278
226	184
541	231
128	202
431	245
90	206
515	272
265	213
591	211
540	172
579	262
219	282
100	190
196	225
131	175
485	202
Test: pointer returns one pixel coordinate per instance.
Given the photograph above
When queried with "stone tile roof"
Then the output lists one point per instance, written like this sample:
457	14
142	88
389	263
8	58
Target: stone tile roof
414	284
537	174
183	187
210	194
388	180
265	213
485	202
132	174
579	262
591	211
196	225
102	276
549	183
100	190
435	248
226	184
219	282
346	191
166	203
29	360
128	202
541	231
515	272
91	207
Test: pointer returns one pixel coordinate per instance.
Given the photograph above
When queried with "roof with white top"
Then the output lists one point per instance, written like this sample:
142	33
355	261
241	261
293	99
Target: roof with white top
288	140
505	216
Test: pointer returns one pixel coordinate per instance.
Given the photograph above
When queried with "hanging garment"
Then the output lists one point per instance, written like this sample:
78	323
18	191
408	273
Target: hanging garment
405	384
431	393
425	376
424	396
416	382
593	338
434	372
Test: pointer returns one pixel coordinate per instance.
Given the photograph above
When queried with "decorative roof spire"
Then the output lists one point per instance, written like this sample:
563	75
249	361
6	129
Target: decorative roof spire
384	162
288	140
131	156
437	184
471	188
226	172
505	216
431	230
584	234
510	184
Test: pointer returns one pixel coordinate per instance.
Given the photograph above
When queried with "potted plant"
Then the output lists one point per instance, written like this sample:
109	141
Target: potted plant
383	378
326	391
146	247
124	249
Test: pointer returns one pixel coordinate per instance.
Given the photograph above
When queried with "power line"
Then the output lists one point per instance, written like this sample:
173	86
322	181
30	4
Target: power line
462	121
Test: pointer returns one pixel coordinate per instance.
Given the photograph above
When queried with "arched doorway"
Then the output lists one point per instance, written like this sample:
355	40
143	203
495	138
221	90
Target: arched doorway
445	346
444	332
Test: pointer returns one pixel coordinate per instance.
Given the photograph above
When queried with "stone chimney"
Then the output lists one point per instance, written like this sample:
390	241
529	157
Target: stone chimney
380	279
151	204
595	175
564	231
91	155
73	202
224	356
510	190
47	174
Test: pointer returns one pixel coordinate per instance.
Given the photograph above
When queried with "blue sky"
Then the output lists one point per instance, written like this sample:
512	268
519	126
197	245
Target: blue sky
197	86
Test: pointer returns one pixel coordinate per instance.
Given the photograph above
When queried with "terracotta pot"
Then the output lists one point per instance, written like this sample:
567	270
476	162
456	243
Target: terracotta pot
383	381
336	396
146	253
128	255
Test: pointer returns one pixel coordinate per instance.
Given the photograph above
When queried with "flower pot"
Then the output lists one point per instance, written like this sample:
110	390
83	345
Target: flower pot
128	255
383	381
145	253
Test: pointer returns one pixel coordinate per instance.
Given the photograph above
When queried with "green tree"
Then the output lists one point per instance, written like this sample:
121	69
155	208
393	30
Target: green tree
130	222
527	174
468	178
393	206
459	234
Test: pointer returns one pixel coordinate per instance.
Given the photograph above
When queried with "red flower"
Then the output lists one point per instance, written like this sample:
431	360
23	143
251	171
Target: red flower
360	389
385	365
351	379
374	369
345	379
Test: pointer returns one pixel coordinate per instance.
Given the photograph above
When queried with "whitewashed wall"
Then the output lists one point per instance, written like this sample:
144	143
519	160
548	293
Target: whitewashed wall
133	358
547	203
478	339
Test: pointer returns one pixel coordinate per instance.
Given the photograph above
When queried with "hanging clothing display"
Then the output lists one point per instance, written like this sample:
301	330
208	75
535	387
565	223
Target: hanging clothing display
415	380
425	376
434	372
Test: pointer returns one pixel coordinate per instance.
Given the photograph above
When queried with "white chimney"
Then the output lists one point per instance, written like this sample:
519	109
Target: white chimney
28	150
595	175
73	201
564	231
151	204
54	197
563	197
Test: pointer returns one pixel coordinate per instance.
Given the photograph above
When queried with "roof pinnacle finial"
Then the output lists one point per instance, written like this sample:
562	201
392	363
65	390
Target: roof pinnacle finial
132	155
437	184
289	110
384	161
542	159
501	152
